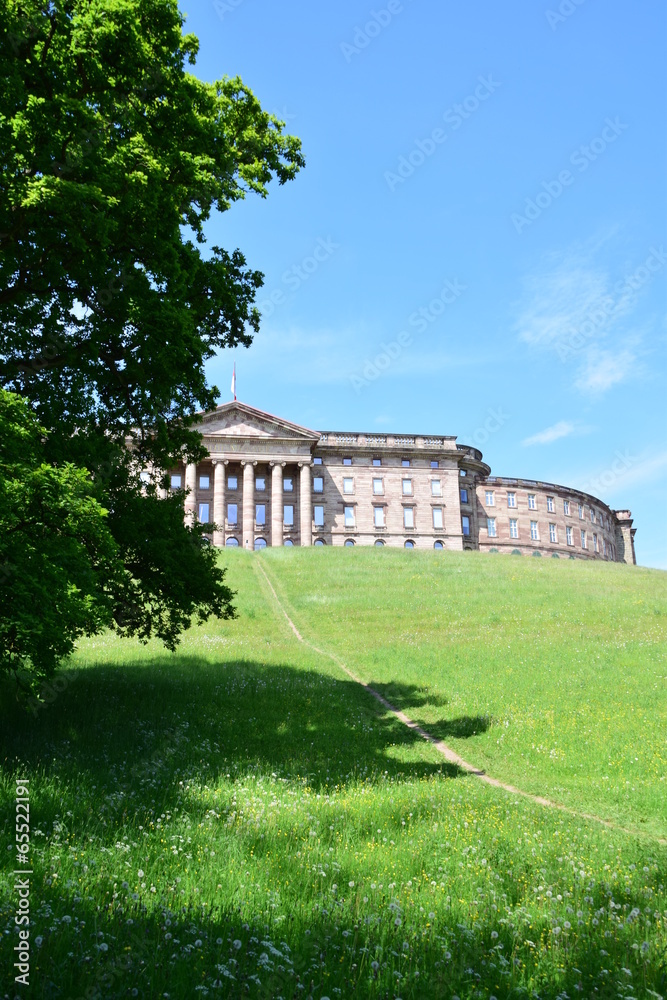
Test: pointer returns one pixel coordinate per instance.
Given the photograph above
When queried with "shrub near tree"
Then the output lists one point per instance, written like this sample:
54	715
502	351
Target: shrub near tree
113	157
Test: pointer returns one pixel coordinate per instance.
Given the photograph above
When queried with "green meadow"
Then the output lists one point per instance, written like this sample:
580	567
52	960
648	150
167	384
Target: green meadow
241	819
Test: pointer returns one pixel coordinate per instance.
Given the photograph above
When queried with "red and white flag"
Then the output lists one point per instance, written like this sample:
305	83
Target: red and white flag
234	381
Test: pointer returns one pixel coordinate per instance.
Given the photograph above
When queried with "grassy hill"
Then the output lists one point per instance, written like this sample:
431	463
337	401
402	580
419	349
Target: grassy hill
242	819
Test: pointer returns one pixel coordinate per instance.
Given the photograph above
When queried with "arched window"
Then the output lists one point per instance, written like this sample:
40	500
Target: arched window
319	541
288	542
409	544
260	543
232	543
379	544
349	542
438	544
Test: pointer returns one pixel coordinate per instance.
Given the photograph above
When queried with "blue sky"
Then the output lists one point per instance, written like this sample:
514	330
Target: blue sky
477	243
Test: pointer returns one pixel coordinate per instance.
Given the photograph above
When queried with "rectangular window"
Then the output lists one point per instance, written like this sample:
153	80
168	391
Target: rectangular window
583	539
435	464
489	498
553	536
378	517
566	507
318	515
260	513
317	460
436	488
349	517
465	525
532	502
204	483
232	482
437	518
514	528
405	462
318	484
176	482
347	461
550	504
595	542
592	516
288	484
534	533
203	513
232	513
604	547
511	499
260	483
568	535
491	527
407	487
378	488
377	462
464	496
408	517
581	512
348	485
288	514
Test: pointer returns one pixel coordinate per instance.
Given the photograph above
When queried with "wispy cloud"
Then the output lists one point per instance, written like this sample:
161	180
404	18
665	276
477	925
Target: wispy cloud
560	430
603	369
574	307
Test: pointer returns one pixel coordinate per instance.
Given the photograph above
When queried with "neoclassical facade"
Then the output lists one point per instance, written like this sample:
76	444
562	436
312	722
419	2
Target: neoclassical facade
267	481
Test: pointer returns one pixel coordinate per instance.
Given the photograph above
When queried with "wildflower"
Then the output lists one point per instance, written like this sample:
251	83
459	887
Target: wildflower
218	940
237	944
494	934
431	916
38	941
66	919
397	922
104	946
351	885
140	873
567	925
198	943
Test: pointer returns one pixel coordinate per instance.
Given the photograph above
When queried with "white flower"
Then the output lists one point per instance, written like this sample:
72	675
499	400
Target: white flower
351	885
140	873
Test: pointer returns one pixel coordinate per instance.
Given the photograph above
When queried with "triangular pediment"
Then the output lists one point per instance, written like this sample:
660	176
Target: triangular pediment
238	420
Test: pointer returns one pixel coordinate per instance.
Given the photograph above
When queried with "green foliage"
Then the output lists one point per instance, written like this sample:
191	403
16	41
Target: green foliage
245	818
112	158
57	555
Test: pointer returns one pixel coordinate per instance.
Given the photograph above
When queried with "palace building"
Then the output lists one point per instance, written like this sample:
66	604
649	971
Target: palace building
267	481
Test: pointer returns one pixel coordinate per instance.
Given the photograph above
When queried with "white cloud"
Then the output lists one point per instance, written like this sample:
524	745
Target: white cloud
603	369
574	307
560	430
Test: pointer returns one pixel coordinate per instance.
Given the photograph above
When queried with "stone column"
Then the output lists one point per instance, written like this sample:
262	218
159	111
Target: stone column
248	504
277	503
191	498
219	471
305	506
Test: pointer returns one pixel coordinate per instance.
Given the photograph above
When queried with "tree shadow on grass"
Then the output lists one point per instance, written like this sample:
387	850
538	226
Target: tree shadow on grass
120	738
410	697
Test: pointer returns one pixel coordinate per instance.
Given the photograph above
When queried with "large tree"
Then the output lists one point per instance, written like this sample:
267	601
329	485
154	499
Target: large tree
112	158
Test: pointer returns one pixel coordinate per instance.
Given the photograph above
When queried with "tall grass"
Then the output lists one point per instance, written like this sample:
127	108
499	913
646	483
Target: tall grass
240	819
